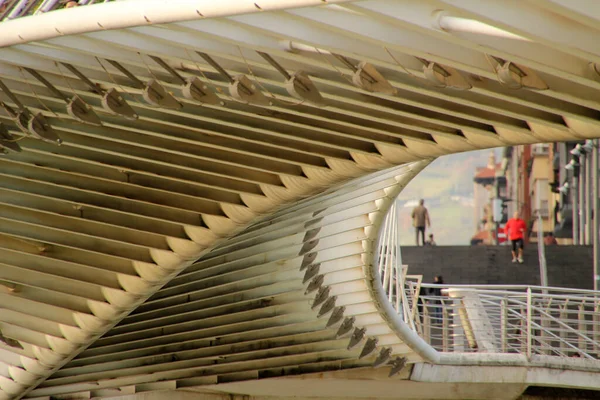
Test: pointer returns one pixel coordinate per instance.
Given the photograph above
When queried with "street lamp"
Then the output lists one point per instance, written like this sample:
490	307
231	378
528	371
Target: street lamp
581	151
586	179
572	167
572	164
588	146
564	189
577	150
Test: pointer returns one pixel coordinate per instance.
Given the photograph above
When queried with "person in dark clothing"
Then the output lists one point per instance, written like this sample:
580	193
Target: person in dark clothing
437	292
422	293
437	280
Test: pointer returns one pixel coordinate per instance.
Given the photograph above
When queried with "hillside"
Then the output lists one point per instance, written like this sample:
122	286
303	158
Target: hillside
447	187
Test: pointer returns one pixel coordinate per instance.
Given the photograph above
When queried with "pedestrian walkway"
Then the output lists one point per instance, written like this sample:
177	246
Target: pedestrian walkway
511	319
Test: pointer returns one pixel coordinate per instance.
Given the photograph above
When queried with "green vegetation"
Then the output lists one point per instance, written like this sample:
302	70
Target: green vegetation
452	224
447	186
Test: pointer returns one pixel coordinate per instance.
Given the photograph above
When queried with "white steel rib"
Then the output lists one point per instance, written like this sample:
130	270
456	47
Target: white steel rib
289	295
93	228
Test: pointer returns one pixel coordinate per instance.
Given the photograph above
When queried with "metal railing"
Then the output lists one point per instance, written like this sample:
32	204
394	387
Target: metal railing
506	319
12	9
390	267
489	318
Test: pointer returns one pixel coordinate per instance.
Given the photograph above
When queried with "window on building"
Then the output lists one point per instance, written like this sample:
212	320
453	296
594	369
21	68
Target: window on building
540	200
502	191
540	149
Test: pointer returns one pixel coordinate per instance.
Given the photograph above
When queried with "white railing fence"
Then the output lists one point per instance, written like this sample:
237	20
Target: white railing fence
489	318
508	319
389	265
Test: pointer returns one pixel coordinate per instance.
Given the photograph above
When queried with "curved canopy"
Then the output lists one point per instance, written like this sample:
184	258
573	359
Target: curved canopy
183	122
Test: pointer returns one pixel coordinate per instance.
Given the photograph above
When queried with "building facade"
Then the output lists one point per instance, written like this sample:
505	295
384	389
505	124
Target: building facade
489	192
551	186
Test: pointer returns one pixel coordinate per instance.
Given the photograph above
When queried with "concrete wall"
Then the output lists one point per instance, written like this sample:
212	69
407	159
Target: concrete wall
568	266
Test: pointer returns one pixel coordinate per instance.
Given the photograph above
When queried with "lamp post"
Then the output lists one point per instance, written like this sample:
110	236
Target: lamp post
588	197
540	246
571	167
579	161
596	220
496	209
580	177
591	221
575	202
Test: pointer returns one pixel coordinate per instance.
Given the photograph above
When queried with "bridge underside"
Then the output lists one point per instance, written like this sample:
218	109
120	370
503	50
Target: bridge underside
288	296
228	135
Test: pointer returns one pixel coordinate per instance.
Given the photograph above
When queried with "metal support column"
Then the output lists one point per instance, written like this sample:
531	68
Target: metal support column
581	327
503	325
563	175
540	238
581	213
588	199
575	205
496	221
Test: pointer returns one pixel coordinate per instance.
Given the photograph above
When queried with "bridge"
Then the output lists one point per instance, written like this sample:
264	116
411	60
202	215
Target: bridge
193	196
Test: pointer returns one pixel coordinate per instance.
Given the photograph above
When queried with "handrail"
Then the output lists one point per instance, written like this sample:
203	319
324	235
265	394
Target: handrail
513	287
521	322
519	319
559	322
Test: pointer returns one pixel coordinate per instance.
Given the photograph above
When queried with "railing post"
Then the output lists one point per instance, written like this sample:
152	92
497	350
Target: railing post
384	262
529	322
582	327
426	324
503	325
392	244
400	294
458	331
596	328
545	326
523	329
563	315
445	328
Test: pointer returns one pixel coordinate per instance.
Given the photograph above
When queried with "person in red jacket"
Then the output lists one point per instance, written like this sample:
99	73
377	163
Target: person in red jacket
515	230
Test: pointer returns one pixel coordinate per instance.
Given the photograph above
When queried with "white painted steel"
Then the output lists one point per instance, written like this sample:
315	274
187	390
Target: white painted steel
92	229
525	320
250	306
452	24
488	321
124	14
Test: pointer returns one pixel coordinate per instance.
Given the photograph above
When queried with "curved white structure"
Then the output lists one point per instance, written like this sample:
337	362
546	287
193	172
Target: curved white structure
292	294
184	123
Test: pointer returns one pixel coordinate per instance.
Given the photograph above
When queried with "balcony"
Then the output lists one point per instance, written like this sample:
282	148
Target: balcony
543	210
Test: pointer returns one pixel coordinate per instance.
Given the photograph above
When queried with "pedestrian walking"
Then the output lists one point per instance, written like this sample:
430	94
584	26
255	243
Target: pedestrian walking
515	230
420	217
436	294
